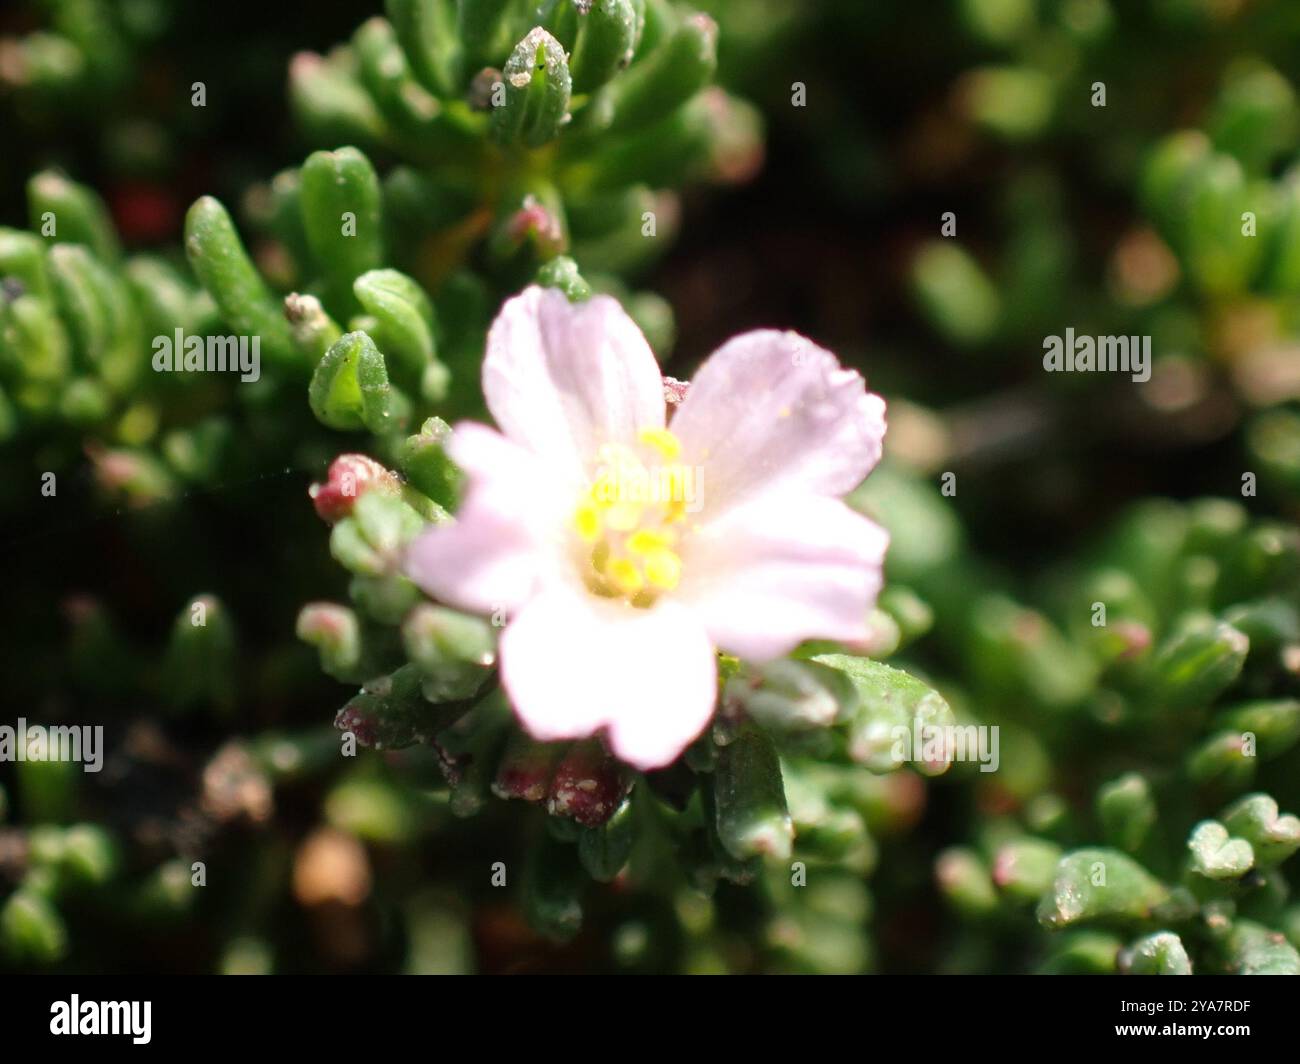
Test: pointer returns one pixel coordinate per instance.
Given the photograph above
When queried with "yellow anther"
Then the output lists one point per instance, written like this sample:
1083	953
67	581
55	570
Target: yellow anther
663	569
664	442
648	540
625	576
625	519
586	519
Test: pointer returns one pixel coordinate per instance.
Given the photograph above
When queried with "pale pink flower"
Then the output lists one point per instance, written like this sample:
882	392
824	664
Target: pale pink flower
625	550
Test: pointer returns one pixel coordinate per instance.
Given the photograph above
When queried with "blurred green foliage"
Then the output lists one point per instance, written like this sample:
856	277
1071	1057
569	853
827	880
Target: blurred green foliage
1107	572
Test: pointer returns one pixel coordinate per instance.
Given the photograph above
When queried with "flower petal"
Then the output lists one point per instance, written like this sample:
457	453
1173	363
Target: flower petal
781	569
572	665
771	408
496	552
564	378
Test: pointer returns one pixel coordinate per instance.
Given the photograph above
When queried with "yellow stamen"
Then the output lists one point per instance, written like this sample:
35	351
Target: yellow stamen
625	576
663	569
663	441
648	540
587	521
626	517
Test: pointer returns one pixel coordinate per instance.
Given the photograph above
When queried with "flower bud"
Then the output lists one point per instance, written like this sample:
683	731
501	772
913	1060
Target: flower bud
335	632
965	882
526	767
588	785
132	474
45	64
537	224
1023	868
350	476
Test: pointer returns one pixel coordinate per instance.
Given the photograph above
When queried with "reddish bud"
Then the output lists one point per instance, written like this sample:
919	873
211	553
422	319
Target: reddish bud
534	222
350	475
588	786
526	768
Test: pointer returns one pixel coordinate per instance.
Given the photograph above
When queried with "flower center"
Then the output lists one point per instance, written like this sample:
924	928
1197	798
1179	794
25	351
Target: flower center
631	516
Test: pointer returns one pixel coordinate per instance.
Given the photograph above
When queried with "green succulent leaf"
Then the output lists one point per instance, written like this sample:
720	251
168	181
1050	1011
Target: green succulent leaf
1273	837
752	817
1100	884
536	86
350	388
1216	854
1162	953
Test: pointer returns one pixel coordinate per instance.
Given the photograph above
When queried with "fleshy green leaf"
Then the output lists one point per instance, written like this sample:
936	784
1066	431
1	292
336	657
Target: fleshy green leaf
1162	953
1099	884
1216	855
536	86
1273	837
